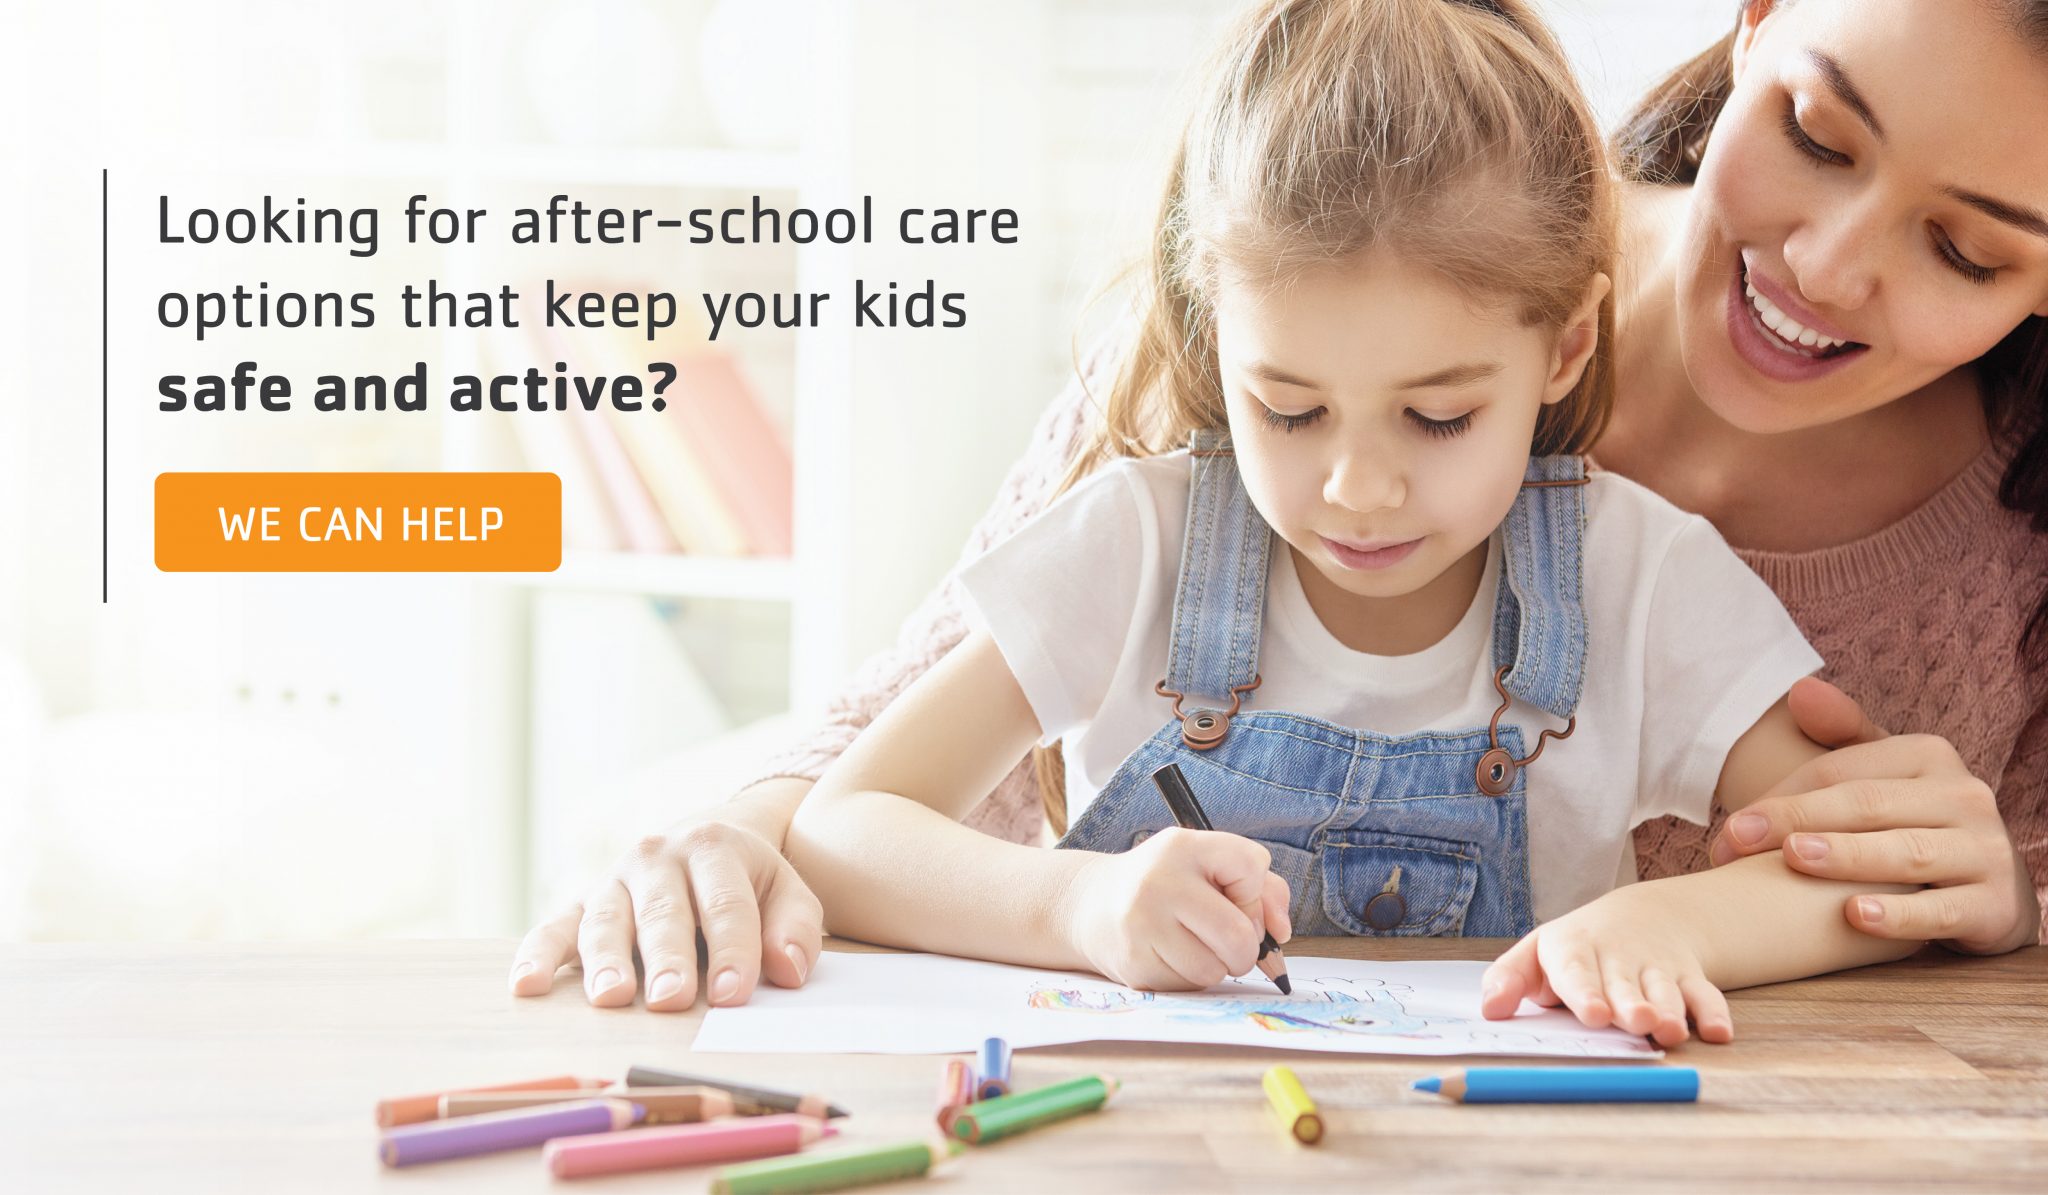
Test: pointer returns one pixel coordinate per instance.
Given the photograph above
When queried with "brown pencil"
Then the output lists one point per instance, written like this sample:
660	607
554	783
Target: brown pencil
412	1109
749	1101
664	1105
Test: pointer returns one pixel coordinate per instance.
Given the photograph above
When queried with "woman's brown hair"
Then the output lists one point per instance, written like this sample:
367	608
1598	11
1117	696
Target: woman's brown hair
1662	142
1450	132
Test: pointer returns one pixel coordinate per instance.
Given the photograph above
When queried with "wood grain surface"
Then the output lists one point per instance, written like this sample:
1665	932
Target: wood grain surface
254	1067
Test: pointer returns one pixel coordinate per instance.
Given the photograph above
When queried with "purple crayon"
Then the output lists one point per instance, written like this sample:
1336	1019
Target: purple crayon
462	1136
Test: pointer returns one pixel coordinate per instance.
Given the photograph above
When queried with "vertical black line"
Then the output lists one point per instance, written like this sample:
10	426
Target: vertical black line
103	385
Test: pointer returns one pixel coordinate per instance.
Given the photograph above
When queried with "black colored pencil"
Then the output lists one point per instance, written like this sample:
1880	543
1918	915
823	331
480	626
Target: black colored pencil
1187	813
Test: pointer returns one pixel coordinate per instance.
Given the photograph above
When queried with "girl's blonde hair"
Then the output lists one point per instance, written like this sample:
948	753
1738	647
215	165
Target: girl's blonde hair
1449	132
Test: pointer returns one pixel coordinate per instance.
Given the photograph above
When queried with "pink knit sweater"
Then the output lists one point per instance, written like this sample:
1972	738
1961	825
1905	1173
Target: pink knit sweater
1917	622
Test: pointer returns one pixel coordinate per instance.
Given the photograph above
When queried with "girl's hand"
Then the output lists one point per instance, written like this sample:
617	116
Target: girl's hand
720	874
1185	909
1893	809
1623	960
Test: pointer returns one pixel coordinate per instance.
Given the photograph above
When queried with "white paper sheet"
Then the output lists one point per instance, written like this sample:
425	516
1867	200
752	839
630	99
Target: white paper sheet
931	1004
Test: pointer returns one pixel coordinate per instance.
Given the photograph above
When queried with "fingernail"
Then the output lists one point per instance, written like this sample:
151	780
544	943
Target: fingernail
1810	847
1870	909
1748	827
797	960
666	984
1492	989
725	985
522	970
603	980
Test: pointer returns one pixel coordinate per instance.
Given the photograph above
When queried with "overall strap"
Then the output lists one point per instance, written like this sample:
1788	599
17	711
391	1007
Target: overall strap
1539	622
1219	603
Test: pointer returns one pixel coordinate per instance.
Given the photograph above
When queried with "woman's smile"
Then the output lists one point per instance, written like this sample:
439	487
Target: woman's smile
1776	344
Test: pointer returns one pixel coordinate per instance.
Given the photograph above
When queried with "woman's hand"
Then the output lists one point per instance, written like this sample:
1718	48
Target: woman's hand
1626	960
1883	808
722	873
1186	909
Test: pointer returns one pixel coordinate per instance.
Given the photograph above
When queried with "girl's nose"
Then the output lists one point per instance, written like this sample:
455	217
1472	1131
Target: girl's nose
1364	481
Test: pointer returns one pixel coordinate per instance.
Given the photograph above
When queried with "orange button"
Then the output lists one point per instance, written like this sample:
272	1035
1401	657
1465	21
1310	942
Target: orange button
358	522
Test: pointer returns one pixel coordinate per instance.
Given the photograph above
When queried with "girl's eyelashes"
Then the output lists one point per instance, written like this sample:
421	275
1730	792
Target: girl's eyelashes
1943	246
1288	423
1441	429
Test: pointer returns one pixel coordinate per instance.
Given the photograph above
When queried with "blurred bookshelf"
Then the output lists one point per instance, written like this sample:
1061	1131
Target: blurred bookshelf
625	655
623	658
660	651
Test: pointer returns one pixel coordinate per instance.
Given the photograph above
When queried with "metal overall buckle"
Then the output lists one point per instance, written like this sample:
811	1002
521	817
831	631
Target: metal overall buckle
1203	728
1498	765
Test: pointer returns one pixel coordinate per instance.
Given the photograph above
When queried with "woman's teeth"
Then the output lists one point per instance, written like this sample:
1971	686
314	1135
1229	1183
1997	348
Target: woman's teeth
1787	328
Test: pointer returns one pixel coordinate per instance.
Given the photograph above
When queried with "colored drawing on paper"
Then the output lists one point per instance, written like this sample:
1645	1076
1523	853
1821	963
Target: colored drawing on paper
918	1003
1332	1005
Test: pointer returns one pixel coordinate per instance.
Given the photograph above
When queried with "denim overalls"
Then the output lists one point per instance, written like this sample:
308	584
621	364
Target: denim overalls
1425	834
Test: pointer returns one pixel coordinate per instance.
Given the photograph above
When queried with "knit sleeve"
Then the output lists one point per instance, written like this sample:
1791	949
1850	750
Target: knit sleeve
2023	802
939	621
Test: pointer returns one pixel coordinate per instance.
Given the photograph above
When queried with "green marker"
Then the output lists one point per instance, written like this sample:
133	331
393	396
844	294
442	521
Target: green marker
832	1171
992	1120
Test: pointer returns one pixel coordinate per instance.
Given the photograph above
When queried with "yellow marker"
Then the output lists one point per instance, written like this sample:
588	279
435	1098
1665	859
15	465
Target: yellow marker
1292	1105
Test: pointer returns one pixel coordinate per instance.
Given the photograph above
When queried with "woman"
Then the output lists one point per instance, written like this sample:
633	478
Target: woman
1832	344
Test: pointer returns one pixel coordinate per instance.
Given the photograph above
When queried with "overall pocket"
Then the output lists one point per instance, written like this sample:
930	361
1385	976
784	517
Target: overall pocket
1377	884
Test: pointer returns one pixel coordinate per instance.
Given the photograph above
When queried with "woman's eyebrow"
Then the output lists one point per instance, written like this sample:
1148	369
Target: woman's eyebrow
2023	218
1837	79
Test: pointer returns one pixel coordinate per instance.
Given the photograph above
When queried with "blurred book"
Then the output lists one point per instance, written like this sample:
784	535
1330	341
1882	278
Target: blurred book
549	444
739	445
711	473
715	462
645	529
640	523
673	473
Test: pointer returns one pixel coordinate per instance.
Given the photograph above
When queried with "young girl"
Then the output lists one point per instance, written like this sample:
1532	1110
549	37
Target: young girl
1423	672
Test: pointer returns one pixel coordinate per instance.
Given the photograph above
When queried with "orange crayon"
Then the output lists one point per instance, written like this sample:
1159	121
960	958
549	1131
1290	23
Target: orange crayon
412	1109
683	1145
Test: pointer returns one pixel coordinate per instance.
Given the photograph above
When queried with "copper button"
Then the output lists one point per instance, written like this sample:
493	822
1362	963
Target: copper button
1203	729
1496	772
1385	911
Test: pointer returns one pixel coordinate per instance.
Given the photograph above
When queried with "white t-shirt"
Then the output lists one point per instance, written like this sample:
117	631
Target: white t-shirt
1686	649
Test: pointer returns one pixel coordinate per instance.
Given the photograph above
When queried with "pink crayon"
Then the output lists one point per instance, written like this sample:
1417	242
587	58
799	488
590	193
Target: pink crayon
684	1145
956	1091
462	1136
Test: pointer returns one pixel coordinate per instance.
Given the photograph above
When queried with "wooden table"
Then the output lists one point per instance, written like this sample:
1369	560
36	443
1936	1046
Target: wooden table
156	1068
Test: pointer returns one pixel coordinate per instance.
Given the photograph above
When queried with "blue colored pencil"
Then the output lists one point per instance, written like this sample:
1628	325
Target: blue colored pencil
1567	1085
992	1071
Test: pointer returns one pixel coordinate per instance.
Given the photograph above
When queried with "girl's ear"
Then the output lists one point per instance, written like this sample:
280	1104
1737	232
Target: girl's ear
1576	342
1754	14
